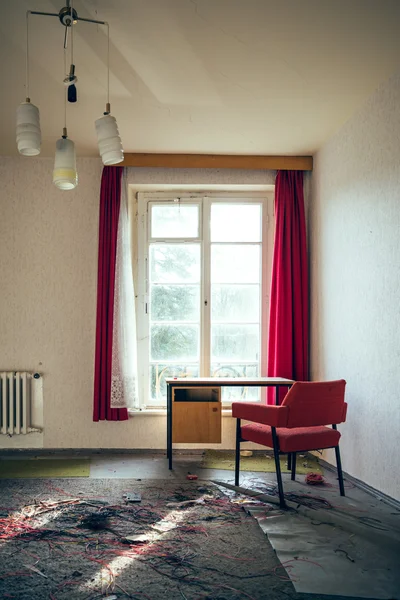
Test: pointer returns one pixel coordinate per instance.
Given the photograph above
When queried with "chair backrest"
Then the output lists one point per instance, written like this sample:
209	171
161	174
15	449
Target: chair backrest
316	403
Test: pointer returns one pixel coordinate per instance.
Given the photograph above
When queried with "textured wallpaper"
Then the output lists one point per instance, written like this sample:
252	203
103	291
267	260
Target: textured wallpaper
48	271
355	282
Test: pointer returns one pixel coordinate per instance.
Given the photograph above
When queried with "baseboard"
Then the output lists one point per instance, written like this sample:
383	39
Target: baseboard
89	451
363	486
100	451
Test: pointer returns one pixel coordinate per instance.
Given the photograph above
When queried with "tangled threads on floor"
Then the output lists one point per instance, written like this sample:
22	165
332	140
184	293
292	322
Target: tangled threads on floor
96	521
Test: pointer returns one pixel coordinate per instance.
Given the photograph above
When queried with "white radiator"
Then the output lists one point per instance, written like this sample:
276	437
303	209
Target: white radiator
15	402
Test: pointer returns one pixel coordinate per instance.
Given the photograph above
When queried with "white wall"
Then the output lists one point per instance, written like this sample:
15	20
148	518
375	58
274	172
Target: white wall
355	282
48	274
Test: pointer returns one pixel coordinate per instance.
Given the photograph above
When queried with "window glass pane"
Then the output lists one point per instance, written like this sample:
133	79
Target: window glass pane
175	263
234	370
235	342
235	264
175	221
159	372
235	303
174	342
222	369
235	222
175	303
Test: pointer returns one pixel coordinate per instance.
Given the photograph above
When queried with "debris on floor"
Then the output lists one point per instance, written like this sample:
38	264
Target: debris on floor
132	497
314	479
246	453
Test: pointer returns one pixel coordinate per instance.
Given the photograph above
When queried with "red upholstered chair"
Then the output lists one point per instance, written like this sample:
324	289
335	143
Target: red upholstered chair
299	424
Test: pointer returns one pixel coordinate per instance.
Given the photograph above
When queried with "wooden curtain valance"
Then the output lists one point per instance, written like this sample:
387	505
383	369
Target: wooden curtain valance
218	161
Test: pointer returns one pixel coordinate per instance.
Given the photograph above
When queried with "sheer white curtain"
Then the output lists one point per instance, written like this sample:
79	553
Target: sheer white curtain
124	382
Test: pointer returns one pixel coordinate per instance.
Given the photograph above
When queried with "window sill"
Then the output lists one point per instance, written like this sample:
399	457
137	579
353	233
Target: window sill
162	412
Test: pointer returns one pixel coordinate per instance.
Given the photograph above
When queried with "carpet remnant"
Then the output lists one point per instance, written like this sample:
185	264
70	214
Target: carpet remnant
33	468
225	459
81	539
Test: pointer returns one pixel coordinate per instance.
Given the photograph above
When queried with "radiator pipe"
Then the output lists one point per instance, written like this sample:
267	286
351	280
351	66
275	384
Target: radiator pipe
29	375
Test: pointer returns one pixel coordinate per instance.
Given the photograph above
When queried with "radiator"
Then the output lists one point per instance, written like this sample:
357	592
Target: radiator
15	402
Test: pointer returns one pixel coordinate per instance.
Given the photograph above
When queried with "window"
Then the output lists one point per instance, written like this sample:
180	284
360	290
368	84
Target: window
204	271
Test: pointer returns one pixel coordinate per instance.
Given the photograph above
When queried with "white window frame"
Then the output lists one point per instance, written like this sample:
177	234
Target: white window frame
145	199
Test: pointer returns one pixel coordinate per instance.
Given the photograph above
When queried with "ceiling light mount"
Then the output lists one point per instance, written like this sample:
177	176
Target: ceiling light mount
67	16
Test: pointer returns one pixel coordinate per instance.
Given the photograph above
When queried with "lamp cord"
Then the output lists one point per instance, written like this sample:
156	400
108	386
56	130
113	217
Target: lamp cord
108	63
27	57
72	32
65	91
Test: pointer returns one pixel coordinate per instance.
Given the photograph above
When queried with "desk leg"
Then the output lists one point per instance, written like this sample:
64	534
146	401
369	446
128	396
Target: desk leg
277	395
169	426
237	453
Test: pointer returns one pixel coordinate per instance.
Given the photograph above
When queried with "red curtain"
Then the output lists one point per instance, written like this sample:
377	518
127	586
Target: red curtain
110	200
288	322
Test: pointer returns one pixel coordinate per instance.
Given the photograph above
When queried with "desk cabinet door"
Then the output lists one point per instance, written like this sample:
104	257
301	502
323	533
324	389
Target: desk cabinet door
196	416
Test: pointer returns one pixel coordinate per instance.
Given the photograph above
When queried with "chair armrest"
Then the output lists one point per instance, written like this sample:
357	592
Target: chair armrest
275	416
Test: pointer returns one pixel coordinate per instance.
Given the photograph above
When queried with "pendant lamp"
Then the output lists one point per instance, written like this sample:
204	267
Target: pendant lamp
28	129
108	138
65	176
28	121
110	145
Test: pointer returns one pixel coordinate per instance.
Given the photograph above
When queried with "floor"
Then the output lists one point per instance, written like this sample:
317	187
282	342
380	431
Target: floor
331	546
146	465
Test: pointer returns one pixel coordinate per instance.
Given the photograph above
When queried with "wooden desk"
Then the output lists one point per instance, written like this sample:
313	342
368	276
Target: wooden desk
202	395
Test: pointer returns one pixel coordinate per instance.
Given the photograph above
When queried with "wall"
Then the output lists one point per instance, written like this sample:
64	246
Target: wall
48	270
355	273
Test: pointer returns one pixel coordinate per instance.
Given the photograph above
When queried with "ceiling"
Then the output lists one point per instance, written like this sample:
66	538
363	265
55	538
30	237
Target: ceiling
201	76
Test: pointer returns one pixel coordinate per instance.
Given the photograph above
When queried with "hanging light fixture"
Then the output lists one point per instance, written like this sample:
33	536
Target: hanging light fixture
108	138
28	124
28	120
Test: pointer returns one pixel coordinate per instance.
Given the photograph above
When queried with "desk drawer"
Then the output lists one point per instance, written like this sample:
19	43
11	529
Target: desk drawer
196	415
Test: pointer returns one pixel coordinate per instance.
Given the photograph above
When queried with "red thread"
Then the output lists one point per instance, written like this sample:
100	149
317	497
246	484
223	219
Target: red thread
314	479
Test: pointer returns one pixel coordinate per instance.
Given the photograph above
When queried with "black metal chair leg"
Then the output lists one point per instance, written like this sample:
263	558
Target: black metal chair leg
339	470
278	468
289	461
237	453
293	476
169	426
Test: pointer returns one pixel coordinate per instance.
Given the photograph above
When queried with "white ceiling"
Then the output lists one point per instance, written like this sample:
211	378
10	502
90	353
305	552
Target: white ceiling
202	76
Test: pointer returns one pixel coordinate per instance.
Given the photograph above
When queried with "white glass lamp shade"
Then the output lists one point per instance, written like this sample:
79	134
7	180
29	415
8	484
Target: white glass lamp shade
110	145
65	176
28	129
